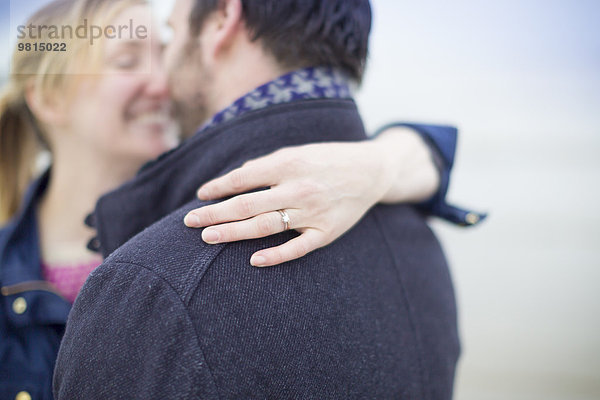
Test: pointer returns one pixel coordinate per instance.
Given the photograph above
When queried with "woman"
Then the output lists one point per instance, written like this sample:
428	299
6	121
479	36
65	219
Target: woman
101	112
100	119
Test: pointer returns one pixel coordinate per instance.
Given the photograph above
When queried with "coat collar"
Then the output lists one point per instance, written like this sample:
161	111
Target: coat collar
302	84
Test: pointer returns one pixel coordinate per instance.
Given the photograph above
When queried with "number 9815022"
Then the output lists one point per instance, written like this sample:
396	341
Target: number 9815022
42	47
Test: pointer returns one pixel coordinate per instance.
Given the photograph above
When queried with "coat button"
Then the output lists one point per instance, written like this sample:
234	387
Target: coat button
90	220
94	245
472	219
19	306
23	396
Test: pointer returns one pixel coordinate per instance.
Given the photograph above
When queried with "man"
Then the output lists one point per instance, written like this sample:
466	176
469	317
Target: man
167	316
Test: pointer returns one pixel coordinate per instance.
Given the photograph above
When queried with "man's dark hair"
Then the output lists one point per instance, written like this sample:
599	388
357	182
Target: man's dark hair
303	33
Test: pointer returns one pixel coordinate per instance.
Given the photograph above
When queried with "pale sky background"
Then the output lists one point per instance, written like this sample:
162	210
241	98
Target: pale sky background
521	80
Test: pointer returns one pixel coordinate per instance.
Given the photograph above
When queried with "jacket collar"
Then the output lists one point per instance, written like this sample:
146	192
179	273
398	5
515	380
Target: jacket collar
302	84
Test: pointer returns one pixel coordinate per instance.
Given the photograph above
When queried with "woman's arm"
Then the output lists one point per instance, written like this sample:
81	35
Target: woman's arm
324	188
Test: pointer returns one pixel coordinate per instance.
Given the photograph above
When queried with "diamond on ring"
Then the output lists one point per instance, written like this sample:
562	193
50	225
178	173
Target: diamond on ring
285	218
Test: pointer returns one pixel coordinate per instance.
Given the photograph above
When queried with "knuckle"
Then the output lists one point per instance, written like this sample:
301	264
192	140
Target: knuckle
296	163
208	191
300	249
246	206
277	256
308	190
227	233
248	164
211	215
237	180
288	160
264	226
328	233
280	154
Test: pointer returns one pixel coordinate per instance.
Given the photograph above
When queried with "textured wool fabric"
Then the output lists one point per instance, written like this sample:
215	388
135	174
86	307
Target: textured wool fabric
168	316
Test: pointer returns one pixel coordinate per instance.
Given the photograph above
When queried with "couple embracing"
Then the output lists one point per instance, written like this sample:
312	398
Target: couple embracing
178	312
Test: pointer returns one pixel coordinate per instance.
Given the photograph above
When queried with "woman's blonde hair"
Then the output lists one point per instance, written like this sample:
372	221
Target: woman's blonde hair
46	74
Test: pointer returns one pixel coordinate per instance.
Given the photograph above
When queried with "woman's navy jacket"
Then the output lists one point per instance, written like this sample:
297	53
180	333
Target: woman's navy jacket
32	314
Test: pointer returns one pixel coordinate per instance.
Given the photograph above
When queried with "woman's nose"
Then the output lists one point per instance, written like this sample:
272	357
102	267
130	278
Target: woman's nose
158	85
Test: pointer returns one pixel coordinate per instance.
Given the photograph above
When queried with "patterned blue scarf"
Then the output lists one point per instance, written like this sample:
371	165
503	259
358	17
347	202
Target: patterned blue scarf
303	84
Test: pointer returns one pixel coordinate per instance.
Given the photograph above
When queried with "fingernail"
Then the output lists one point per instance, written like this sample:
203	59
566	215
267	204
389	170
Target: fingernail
210	236
191	220
202	194
258	261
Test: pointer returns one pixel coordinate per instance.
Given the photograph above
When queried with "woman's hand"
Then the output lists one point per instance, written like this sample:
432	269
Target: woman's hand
324	188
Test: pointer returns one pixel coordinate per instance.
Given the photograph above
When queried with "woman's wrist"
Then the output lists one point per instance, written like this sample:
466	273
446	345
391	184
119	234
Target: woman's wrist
410	173
382	165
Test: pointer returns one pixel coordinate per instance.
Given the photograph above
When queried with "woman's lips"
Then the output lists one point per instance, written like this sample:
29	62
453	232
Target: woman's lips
152	118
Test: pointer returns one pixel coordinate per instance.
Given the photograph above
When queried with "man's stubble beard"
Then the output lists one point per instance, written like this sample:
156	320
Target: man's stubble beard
190	82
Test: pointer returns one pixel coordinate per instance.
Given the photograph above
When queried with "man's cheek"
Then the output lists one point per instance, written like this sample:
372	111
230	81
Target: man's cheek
171	55
181	85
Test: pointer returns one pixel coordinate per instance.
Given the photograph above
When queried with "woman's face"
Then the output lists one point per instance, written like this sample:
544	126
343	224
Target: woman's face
125	112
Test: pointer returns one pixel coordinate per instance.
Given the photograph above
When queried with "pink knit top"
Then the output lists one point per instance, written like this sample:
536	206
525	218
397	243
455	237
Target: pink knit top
68	279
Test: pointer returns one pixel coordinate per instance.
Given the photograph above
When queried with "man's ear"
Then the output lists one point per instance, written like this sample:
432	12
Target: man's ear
226	23
50	111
